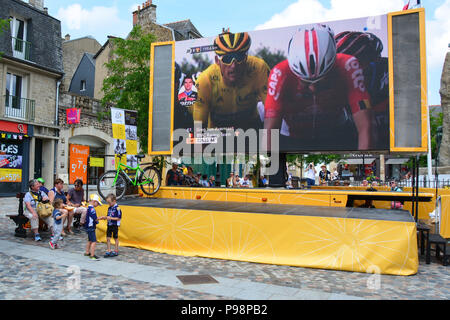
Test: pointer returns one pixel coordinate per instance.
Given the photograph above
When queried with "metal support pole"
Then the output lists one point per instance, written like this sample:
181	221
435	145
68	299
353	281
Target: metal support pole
417	189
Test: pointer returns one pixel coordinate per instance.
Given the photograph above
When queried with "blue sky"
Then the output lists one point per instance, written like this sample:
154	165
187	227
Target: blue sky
101	18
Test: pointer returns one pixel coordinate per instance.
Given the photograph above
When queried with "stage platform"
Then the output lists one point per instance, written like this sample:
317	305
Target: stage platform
305	197
351	239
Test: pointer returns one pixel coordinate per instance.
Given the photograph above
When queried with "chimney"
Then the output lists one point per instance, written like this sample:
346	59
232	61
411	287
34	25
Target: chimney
38	4
67	37
46	10
145	15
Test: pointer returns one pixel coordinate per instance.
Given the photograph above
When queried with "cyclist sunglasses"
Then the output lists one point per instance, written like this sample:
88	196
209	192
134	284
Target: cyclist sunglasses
228	59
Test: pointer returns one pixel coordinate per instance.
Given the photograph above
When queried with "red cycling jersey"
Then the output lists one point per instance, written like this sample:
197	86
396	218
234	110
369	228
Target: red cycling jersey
305	107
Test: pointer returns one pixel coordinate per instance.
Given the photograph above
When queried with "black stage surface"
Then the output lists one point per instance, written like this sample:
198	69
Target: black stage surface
267	208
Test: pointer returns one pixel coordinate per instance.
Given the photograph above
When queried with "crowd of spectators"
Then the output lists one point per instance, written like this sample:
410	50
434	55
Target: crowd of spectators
185	176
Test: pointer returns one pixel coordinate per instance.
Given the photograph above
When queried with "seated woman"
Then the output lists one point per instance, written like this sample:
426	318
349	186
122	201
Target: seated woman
31	200
58	192
75	198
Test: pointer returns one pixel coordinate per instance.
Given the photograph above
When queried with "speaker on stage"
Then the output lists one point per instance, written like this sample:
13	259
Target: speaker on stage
279	179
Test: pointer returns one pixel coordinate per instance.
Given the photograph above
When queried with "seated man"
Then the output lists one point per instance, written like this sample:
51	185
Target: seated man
75	198
31	200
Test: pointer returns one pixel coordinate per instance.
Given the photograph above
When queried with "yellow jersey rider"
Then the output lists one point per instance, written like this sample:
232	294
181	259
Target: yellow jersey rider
230	90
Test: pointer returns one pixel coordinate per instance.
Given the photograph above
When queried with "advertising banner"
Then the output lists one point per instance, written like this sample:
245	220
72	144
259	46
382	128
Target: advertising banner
10	161
73	115
322	87
124	124
78	163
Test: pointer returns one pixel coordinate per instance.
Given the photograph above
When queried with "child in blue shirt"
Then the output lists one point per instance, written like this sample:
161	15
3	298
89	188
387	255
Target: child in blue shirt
90	226
58	217
114	216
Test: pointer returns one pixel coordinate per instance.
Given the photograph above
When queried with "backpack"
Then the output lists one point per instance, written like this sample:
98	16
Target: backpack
44	210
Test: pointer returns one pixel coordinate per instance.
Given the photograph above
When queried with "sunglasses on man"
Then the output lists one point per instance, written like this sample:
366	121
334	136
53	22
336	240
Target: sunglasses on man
228	59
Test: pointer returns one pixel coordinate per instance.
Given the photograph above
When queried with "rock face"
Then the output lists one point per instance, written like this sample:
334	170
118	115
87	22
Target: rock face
444	154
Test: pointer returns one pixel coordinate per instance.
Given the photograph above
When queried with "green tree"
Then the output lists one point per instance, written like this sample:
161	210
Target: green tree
4	26
271	58
201	62
127	84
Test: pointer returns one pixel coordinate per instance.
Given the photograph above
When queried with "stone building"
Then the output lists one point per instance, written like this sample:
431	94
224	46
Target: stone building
90	132
31	69
73	52
444	153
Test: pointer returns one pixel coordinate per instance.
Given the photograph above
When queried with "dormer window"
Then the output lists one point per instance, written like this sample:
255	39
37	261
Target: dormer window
21	47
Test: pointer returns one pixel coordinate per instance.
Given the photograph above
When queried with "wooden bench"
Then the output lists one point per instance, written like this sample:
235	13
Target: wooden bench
440	245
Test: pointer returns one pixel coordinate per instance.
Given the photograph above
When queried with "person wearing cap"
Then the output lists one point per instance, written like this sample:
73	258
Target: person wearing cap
324	175
90	226
229	91
42	188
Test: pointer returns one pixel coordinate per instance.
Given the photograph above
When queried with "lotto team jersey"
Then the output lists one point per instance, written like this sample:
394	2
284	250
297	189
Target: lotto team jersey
219	105
114	212
56	214
91	218
305	107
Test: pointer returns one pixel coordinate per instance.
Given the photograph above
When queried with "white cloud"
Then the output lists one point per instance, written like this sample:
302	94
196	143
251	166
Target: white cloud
134	7
438	35
310	11
98	21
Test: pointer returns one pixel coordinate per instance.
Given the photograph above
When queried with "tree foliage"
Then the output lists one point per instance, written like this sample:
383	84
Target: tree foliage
271	58
4	26
128	81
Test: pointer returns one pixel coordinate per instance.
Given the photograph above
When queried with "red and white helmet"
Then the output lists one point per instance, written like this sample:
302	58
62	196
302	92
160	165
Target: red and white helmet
312	52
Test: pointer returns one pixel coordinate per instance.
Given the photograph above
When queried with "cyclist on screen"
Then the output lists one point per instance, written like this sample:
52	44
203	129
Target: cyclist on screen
229	90
320	94
367	48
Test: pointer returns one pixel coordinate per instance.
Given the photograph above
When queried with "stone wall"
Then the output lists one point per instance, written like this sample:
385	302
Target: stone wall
101	72
444	154
89	113
43	91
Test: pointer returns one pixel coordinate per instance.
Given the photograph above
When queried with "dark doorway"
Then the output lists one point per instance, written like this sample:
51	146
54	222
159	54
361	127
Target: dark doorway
38	159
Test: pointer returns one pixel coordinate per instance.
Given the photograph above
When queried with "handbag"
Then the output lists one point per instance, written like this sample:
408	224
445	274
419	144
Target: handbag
44	210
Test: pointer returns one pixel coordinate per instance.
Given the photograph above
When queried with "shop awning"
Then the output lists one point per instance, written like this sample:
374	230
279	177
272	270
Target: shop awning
397	161
357	161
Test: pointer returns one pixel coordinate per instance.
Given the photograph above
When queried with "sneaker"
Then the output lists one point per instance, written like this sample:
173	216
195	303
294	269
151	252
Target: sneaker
94	258
52	246
61	238
37	237
108	254
114	254
86	254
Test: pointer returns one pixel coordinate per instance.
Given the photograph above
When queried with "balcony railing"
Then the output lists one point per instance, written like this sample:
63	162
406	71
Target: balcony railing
21	49
19	108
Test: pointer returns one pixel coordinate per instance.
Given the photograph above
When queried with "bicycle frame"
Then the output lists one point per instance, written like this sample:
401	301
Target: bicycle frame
122	167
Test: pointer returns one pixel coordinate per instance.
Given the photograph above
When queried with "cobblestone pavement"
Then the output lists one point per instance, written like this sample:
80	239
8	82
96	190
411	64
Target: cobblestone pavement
17	279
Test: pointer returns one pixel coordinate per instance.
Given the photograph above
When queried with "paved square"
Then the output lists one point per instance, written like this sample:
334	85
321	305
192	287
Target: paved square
31	270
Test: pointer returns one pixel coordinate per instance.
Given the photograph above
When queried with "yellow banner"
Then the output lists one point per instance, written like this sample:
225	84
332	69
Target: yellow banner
10	175
132	147
97	162
361	245
118	131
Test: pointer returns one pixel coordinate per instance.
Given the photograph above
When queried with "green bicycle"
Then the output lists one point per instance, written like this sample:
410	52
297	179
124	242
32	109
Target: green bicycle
115	181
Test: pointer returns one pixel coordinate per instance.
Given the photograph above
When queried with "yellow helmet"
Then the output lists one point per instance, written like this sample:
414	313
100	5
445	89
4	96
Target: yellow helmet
228	42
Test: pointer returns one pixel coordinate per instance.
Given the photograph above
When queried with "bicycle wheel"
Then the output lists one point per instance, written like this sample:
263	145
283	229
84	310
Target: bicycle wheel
106	185
150	180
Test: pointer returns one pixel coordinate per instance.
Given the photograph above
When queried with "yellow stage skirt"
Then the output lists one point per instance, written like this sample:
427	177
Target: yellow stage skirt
315	242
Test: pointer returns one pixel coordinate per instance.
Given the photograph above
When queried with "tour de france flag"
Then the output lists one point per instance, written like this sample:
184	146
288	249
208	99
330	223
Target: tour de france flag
124	127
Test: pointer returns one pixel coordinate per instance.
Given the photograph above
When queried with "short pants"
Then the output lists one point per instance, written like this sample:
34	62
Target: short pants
112	231
91	235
